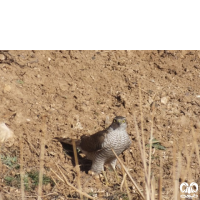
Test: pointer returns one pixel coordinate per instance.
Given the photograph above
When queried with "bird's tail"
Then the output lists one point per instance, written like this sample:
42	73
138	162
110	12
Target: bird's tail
68	140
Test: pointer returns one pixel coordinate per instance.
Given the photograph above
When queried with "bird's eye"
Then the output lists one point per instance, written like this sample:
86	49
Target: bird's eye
123	121
114	120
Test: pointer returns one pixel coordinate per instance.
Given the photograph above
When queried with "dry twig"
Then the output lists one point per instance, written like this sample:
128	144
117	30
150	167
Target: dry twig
134	183
21	165
69	184
43	136
77	167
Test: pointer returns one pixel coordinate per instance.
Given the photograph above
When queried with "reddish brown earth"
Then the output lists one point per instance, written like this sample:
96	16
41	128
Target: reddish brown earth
78	91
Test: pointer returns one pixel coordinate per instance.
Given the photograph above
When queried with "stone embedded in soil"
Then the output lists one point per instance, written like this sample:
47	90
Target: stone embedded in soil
164	100
2	57
6	135
78	84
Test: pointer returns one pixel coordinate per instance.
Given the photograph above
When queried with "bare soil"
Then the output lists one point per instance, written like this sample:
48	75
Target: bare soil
79	92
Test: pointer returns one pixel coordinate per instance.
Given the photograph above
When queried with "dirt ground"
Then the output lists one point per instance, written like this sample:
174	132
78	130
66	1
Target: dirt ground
79	92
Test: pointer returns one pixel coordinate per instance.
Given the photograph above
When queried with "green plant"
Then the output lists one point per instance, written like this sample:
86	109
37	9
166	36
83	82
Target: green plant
34	176
15	181
10	161
124	197
20	81
156	144
8	180
31	180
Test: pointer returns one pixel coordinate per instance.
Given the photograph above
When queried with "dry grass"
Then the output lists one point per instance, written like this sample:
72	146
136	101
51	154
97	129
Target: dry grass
1	198
160	179
179	171
43	141
134	183
0	161
77	167
177	161
22	165
77	190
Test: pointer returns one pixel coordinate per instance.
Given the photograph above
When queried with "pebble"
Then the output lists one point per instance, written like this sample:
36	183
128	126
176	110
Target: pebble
164	100
2	57
6	135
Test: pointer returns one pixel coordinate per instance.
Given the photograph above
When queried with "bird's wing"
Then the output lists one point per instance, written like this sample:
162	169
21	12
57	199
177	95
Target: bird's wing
67	140
93	142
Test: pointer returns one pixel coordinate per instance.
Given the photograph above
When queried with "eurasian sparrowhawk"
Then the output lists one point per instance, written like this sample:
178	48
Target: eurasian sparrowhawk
97	147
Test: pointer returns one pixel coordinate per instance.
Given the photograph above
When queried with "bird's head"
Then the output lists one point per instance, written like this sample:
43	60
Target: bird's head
119	121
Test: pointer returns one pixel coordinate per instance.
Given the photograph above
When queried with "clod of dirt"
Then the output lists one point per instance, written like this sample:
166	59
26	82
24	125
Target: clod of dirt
6	135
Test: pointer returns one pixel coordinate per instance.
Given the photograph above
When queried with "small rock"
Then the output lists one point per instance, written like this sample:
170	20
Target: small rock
2	57
164	100
49	59
6	89
198	96
151	100
6	135
52	153
78	125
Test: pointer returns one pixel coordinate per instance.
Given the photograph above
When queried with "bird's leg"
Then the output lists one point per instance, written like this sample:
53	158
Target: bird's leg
98	167
98	176
113	164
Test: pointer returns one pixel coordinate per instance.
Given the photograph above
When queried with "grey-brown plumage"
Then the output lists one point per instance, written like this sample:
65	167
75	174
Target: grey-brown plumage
97	147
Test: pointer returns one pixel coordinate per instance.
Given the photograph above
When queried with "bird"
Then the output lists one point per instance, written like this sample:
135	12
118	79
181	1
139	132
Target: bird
98	147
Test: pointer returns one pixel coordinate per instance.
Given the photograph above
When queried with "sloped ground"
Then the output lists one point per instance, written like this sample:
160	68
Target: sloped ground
79	92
